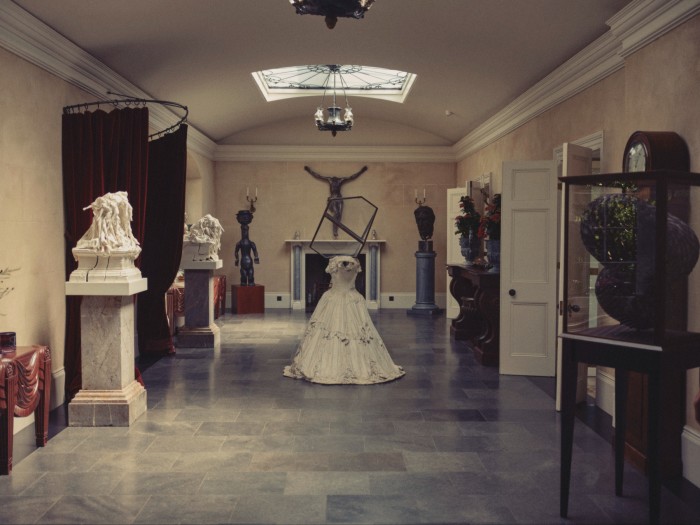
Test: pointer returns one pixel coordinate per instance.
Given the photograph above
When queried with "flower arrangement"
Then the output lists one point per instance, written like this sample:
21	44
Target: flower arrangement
469	218
490	225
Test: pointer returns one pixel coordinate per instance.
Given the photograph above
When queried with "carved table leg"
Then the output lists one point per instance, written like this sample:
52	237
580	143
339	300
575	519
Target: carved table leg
468	323
486	344
41	416
8	396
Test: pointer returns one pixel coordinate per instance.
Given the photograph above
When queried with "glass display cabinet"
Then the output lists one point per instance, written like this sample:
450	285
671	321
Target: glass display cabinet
630	254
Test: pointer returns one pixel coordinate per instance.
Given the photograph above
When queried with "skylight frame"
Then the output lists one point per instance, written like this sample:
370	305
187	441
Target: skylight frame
307	81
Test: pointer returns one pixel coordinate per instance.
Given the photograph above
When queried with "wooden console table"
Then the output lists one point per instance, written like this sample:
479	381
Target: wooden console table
25	388
478	294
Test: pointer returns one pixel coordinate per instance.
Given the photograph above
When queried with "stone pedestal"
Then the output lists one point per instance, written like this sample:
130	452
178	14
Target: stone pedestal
110	395
199	331
425	281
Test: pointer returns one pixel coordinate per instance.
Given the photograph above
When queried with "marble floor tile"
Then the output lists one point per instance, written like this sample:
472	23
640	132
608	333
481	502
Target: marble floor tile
389	509
222	482
69	483
28	509
320	483
103	509
228	439
192	509
302	509
161	483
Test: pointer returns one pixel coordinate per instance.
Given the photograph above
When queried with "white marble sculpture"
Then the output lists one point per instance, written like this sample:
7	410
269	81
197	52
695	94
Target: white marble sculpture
110	230
202	241
107	250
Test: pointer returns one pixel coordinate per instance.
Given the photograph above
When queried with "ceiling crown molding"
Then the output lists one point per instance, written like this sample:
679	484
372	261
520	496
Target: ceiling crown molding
642	22
34	41
235	153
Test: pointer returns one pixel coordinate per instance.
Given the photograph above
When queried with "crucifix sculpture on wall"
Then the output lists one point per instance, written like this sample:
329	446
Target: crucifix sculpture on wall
335	183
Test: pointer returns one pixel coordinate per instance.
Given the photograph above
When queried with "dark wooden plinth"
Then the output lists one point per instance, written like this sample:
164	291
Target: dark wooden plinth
247	299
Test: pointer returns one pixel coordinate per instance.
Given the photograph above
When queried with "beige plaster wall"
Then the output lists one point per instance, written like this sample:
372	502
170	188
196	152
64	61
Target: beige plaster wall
31	205
661	92
655	91
208	177
290	199
600	107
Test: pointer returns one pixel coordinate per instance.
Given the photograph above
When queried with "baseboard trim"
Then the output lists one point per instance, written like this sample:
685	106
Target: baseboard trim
58	387
405	301
605	393
690	455
275	300
389	300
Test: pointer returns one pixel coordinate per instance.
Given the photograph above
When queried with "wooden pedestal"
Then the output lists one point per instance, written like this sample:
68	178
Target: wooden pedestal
247	299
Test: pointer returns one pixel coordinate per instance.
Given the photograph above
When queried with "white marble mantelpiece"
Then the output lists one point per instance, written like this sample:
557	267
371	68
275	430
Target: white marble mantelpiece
372	270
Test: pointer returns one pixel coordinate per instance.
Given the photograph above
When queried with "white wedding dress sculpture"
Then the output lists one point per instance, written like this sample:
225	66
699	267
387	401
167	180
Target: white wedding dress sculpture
341	344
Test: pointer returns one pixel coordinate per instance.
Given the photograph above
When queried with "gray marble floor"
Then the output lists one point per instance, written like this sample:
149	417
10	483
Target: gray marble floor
228	439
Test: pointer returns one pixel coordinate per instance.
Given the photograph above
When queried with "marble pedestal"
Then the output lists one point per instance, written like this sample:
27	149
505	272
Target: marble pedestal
425	281
110	395
199	331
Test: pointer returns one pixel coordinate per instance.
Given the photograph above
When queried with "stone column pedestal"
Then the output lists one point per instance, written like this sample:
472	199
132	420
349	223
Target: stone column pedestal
110	394
425	281
199	331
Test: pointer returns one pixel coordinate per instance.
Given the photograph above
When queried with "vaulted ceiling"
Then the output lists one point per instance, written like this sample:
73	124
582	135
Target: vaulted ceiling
471	58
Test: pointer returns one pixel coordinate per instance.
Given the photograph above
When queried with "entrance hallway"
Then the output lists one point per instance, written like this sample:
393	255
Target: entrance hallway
228	439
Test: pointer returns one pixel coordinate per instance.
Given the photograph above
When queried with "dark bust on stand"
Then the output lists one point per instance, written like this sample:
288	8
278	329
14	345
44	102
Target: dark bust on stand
244	247
425	263
425	220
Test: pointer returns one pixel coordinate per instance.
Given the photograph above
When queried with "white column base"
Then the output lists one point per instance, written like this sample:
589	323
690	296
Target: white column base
107	408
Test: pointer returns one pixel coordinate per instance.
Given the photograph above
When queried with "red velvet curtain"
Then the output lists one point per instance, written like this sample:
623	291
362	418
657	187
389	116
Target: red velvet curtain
162	247
102	152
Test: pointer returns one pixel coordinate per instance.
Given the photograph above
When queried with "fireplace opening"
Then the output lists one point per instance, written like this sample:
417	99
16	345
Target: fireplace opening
318	281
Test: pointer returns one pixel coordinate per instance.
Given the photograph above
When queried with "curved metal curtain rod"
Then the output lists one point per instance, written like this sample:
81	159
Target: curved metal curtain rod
129	101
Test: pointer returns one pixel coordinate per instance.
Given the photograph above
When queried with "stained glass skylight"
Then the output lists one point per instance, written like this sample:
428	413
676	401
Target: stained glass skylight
305	81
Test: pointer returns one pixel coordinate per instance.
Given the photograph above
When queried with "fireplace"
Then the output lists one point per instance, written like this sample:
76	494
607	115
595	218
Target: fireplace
309	278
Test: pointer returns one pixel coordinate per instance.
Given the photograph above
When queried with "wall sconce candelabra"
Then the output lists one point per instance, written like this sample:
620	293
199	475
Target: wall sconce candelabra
420	202
251	200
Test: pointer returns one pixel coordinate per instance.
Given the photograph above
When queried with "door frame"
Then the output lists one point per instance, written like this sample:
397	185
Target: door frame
594	142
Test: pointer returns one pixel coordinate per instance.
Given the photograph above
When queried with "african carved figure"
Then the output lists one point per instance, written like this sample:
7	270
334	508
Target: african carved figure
244	247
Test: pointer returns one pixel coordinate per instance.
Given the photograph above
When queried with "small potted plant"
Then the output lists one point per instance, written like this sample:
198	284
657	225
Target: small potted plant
467	226
490	231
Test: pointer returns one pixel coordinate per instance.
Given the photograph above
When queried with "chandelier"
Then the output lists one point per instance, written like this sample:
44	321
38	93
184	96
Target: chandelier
332	9
334	122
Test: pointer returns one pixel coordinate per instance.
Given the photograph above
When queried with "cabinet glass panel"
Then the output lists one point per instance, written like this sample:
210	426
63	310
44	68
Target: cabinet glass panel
630	252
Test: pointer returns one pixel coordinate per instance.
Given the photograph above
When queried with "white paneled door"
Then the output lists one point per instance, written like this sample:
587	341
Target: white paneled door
528	301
